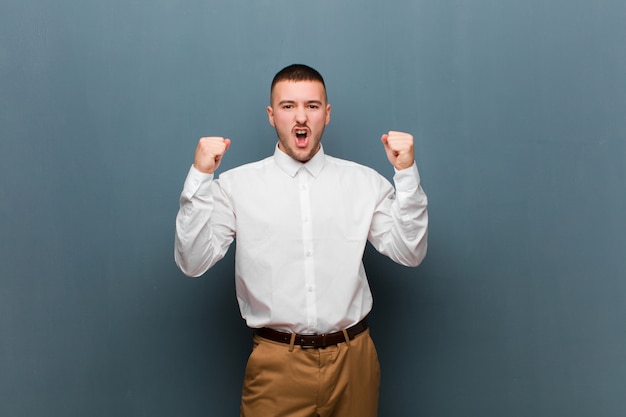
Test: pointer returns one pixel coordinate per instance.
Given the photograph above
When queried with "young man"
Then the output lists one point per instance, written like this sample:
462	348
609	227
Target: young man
302	219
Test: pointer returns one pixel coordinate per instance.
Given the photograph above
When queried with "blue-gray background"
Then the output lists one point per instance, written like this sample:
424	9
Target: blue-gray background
519	113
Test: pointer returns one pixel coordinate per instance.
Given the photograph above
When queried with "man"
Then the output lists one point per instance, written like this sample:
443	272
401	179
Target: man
302	219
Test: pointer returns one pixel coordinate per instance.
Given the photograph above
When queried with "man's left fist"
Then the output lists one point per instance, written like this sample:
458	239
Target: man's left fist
399	148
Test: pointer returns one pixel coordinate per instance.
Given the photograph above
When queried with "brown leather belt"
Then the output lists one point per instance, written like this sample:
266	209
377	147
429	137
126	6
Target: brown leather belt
312	340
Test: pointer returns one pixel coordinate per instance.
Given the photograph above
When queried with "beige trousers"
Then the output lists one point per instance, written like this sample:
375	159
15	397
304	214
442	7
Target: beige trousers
291	381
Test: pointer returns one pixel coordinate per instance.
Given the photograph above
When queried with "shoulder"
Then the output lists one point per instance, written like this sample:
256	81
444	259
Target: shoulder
355	174
339	163
248	169
351	167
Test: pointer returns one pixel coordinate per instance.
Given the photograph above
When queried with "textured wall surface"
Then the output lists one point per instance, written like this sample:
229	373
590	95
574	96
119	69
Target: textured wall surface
518	110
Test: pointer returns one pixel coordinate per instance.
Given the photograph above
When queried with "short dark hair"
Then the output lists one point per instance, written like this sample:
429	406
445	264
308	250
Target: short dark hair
297	72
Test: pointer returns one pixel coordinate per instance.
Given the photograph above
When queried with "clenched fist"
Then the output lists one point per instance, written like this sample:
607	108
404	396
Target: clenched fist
209	153
399	148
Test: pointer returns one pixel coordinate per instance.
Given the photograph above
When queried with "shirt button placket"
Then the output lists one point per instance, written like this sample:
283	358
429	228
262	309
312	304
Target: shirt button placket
308	254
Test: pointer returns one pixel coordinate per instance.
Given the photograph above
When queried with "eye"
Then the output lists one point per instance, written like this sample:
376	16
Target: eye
313	106
287	106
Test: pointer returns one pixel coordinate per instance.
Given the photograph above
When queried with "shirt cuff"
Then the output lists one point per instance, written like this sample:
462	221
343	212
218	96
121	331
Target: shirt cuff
197	182
407	179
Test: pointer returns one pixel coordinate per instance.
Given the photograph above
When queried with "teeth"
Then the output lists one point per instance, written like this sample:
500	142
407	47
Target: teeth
300	132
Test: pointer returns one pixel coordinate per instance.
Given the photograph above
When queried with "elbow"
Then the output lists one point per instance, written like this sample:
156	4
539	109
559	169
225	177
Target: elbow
188	271
419	252
186	267
191	273
420	255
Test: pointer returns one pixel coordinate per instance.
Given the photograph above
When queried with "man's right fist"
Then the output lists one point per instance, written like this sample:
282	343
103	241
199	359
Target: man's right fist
209	153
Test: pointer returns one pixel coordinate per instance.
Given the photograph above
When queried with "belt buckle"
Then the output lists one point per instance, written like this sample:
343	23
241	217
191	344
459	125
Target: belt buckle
311	345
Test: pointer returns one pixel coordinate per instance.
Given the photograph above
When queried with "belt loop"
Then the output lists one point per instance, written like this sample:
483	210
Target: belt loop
345	335
292	342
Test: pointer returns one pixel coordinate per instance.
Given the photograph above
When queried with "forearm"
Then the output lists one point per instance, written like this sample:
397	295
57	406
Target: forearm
400	228
203	232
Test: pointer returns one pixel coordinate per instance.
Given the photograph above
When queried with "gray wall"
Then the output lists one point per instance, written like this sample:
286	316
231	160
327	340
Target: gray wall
519	113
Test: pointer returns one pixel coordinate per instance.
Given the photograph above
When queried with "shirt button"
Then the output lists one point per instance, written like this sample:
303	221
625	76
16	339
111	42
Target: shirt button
310	289
308	253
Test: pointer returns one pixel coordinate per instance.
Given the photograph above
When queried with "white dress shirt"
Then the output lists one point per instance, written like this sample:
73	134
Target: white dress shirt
301	231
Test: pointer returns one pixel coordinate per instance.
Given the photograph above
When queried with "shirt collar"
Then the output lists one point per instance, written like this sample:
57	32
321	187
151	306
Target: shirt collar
291	167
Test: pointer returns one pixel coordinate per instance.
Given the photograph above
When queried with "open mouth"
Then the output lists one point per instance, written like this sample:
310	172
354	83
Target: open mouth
302	136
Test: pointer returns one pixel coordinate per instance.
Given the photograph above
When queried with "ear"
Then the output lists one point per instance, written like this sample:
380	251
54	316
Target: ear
327	114
270	115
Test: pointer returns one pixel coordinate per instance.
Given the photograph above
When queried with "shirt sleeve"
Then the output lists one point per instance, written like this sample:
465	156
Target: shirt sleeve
204	224
400	223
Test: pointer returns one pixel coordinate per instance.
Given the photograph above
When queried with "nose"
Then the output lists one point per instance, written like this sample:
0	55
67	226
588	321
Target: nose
301	115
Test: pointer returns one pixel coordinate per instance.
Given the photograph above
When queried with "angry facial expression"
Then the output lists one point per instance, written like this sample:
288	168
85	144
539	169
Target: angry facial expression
299	112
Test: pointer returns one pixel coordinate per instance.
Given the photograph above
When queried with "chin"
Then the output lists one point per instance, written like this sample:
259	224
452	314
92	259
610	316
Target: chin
303	158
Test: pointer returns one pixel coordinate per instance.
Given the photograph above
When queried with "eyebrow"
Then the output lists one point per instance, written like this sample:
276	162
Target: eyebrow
307	102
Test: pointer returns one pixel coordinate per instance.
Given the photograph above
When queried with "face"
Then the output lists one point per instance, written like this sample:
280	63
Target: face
299	113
